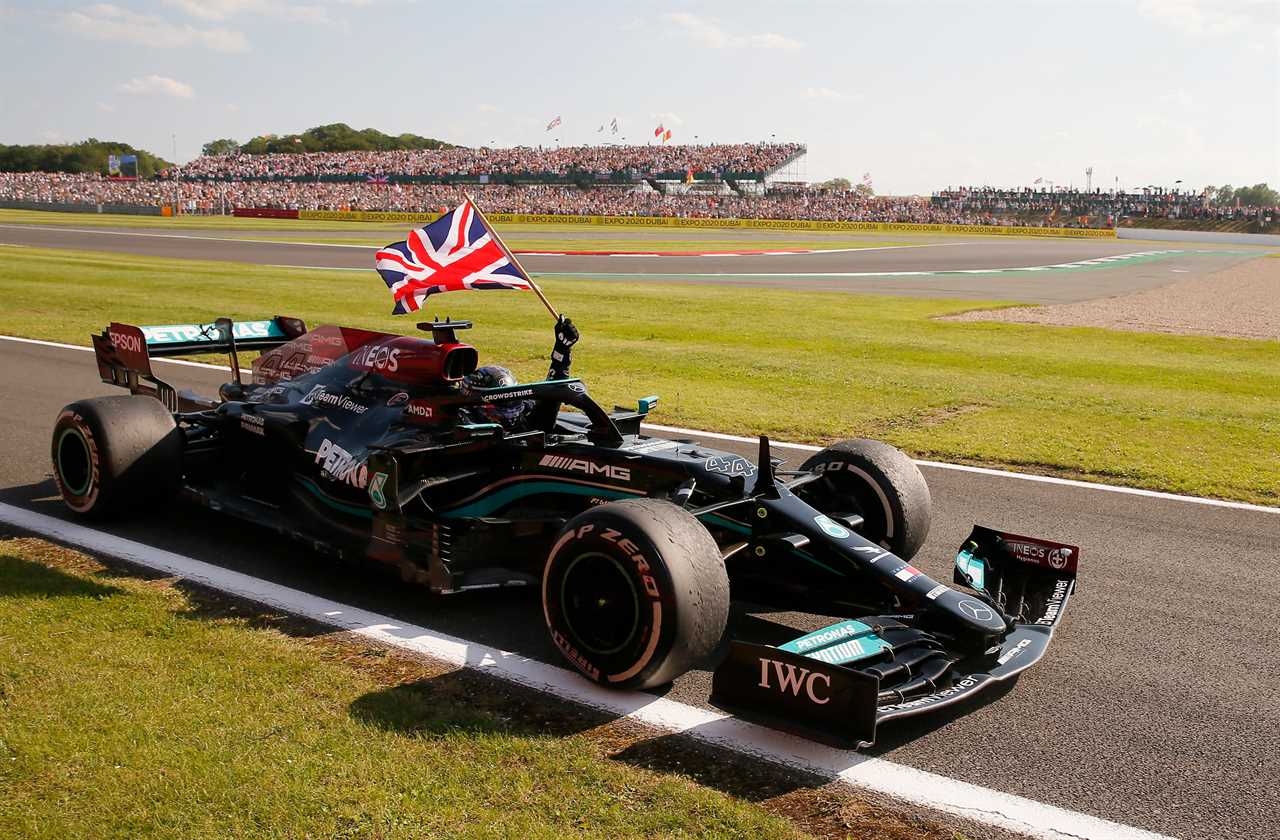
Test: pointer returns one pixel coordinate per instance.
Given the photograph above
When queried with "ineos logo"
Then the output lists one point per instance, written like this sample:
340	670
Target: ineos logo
377	358
975	610
793	679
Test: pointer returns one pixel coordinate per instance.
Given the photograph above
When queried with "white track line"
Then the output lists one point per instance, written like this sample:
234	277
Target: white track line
807	447
971	802
942	465
1090	262
59	228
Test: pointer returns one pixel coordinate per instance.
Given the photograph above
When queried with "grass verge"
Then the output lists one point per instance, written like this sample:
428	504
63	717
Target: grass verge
135	708
1178	413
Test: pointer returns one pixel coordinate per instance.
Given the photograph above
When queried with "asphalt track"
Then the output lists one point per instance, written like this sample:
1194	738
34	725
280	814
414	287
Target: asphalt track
911	270
1155	706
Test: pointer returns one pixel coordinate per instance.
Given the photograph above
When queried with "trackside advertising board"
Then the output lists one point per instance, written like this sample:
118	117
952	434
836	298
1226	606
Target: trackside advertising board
670	222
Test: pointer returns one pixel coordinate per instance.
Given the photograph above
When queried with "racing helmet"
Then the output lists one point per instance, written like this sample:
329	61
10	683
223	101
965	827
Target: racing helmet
495	376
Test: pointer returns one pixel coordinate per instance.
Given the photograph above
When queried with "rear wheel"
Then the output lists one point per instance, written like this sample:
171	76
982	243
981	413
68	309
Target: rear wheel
635	593
873	480
111	453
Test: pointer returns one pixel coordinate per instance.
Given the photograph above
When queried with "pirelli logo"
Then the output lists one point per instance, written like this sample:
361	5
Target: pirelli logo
561	462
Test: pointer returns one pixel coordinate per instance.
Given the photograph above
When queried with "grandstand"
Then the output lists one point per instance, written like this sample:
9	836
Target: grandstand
562	165
718	181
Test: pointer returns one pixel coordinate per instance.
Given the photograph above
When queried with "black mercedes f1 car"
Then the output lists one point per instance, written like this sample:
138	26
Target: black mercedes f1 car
362	444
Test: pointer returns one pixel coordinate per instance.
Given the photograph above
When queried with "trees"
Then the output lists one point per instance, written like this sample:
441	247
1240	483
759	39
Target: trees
226	146
86	156
1259	195
838	184
336	137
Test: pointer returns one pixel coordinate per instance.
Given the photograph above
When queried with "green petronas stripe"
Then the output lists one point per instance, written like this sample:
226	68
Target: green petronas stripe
507	495
325	498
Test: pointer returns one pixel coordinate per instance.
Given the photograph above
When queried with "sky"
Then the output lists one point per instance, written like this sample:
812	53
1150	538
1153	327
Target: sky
921	95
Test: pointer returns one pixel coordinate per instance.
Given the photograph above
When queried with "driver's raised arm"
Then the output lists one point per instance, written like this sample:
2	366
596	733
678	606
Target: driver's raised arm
566	337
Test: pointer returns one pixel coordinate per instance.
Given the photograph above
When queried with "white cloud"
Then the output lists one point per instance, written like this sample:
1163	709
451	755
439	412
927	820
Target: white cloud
709	33
486	108
106	108
107	22
220	10
159	85
826	94
1177	96
667	119
1212	18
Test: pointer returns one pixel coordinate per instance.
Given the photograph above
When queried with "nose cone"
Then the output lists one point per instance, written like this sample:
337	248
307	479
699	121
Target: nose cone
973	614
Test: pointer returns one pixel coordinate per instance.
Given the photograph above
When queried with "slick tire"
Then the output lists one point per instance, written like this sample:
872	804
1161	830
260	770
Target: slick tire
635	593
879	483
112	454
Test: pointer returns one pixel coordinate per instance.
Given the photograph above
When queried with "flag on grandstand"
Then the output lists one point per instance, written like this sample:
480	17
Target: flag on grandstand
657	132
553	123
666	135
600	129
613	126
688	175
866	178
1038	181
456	252
377	179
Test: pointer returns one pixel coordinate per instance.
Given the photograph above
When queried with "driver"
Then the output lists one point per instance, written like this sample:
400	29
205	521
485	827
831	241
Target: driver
520	415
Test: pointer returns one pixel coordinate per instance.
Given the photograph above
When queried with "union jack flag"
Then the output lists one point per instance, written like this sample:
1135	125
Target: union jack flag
457	251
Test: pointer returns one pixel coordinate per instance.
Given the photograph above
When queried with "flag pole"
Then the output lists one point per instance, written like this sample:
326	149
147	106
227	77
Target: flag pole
507	252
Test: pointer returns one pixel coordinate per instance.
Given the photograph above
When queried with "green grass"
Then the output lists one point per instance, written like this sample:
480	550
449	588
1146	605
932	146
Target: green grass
126	710
1177	413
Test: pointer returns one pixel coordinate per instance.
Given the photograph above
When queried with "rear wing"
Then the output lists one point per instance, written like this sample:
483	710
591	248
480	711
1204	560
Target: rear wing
124	352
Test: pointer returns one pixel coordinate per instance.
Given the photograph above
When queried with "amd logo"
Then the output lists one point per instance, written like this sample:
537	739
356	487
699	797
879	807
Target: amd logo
792	679
560	462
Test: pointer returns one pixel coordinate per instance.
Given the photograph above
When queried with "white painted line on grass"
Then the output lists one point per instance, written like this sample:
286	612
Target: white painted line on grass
61	229
317	267
989	807
808	447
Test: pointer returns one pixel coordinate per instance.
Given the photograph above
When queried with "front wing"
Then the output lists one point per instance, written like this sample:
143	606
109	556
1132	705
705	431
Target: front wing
837	684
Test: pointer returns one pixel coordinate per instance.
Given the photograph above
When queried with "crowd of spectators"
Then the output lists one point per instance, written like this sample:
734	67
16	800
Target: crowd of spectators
1099	207
223	196
566	161
794	201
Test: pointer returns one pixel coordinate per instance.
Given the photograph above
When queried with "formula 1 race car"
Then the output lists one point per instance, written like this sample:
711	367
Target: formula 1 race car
363	445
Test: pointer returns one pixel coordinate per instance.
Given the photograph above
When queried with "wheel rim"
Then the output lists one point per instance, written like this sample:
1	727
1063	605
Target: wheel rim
75	465
834	498
599	603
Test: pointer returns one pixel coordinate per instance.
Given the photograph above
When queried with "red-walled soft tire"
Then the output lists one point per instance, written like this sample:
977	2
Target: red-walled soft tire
635	593
115	454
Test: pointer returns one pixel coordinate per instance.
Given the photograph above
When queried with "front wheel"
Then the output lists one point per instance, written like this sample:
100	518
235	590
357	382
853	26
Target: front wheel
635	593
877	482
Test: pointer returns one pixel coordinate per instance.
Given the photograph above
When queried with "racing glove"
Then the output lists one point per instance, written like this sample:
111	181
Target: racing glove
566	336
